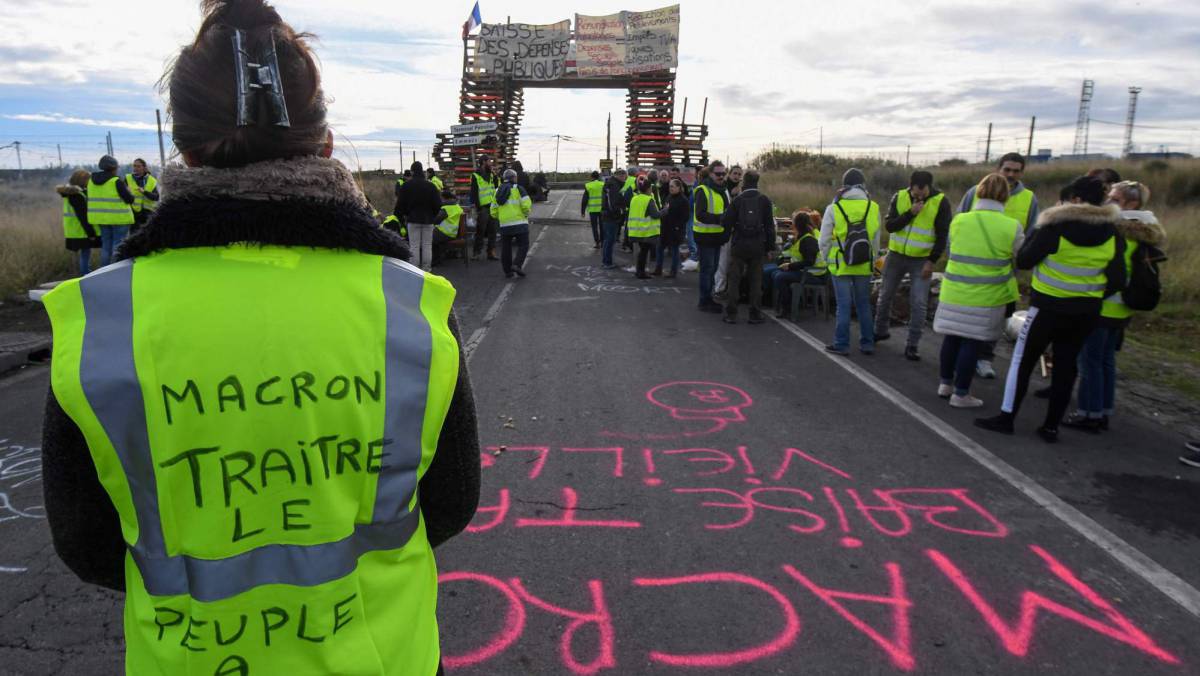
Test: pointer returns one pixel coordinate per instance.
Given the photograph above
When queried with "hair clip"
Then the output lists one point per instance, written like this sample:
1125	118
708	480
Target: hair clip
259	75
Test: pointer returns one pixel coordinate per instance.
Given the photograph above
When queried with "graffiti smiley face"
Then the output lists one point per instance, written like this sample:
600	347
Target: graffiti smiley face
701	400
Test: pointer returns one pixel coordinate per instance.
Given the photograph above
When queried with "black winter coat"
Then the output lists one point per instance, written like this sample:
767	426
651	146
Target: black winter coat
615	204
674	221
1081	225
418	201
314	203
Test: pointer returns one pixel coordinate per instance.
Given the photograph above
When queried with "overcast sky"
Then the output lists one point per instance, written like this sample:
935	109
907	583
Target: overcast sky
874	77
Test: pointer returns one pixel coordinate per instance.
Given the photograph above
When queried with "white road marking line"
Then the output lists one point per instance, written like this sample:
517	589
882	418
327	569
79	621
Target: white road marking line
6	569
538	240
478	334
1170	584
561	202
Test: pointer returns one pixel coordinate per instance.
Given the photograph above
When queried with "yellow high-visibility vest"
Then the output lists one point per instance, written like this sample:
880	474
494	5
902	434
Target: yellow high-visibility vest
1074	271
105	206
265	478
140	201
640	225
918	238
979	271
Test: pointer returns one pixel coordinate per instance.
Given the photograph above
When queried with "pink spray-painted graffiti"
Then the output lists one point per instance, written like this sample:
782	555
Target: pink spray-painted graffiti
706	407
777	616
721	495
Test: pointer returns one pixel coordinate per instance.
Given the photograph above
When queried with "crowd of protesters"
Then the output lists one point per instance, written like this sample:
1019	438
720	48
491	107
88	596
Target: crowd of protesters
1092	261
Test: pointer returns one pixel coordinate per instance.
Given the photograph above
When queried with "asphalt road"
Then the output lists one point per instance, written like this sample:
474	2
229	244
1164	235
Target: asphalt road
664	493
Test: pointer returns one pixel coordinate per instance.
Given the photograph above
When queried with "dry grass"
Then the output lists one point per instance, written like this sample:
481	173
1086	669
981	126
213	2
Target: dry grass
31	230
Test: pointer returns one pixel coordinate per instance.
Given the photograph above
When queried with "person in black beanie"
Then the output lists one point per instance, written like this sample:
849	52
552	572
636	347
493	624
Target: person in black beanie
1078	260
417	205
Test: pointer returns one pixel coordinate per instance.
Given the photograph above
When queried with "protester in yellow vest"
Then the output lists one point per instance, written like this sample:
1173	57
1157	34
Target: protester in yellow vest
431	174
711	199
448	225
483	195
917	221
593	205
510	210
144	187
802	261
849	241
108	207
644	226
79	235
977	287
275	407
1078	260
1022	205
1144	237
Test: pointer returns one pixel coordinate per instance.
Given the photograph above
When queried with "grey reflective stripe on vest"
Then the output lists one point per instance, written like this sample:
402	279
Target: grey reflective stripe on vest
914	244
1073	271
919	231
109	379
1065	286
1116	298
975	260
107	200
406	387
969	279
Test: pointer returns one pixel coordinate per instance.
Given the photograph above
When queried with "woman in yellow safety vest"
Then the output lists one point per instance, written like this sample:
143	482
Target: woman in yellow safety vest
644	225
803	260
977	287
1144	237
80	235
273	405
1078	260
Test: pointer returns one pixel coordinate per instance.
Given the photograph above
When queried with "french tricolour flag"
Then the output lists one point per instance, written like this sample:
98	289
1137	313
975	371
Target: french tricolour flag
472	21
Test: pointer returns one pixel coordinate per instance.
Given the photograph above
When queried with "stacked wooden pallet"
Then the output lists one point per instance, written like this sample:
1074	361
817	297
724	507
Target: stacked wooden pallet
650	111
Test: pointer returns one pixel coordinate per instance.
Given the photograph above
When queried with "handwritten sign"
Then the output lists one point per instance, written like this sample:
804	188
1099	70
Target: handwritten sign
627	42
524	51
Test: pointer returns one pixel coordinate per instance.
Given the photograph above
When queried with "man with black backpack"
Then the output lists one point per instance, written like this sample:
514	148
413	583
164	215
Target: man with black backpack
750	225
849	239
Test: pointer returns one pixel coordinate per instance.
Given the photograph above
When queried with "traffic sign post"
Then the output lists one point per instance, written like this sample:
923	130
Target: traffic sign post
473	128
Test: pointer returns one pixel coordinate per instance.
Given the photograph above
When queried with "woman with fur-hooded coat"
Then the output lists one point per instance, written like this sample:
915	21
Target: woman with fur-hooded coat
1097	391
1064	322
75	194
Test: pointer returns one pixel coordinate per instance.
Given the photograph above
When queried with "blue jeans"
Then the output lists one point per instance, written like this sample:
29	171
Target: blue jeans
958	359
612	230
691	240
1098	372
662	249
85	261
709	255
111	237
854	289
782	281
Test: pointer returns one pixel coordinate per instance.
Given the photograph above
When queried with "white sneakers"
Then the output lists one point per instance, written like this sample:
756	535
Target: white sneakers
944	391
965	401
983	369
690	265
